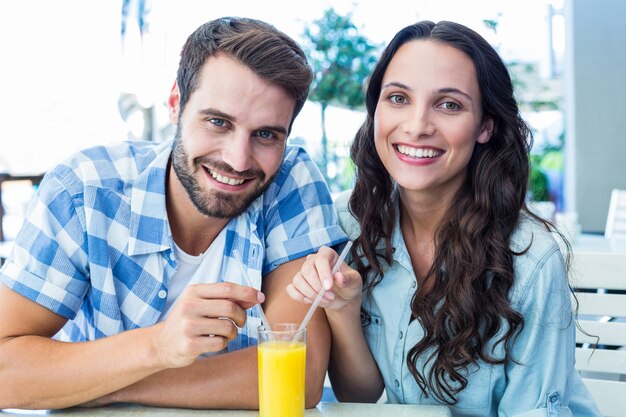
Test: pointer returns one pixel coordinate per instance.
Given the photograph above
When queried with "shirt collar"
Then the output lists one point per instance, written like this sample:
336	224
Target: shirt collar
149	227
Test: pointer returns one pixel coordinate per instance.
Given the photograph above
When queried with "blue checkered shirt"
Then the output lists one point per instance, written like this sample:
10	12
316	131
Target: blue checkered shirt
97	249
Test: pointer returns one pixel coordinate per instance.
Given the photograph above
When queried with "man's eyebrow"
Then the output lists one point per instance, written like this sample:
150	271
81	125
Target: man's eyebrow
277	129
216	113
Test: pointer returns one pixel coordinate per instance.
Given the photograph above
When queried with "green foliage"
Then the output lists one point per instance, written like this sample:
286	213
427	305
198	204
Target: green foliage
491	24
538	184
341	59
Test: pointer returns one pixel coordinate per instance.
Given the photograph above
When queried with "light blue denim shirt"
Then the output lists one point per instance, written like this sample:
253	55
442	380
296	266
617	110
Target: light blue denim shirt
542	383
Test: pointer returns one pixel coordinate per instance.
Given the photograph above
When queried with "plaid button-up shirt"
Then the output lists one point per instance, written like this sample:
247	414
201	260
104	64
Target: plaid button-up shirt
96	246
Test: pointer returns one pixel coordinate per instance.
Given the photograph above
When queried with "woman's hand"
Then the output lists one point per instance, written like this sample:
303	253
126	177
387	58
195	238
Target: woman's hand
342	289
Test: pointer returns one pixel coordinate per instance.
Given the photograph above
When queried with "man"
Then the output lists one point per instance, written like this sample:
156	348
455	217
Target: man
132	248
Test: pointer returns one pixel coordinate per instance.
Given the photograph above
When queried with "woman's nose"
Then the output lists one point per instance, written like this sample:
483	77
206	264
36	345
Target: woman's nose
419	121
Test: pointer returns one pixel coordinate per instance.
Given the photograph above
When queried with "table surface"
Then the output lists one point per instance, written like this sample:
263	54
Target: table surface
584	242
322	410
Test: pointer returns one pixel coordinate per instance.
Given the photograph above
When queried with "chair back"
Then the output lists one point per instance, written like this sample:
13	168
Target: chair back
599	281
616	218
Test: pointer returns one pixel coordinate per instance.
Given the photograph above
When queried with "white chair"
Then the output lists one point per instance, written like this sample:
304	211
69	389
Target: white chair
5	251
616	218
599	281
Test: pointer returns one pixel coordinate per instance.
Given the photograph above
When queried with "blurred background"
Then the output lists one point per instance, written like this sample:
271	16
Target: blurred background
78	73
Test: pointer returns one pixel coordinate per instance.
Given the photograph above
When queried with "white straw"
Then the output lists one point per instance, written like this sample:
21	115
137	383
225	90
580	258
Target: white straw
244	272
322	291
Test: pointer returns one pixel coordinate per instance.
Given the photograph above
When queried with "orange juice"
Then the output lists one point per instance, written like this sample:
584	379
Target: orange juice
281	378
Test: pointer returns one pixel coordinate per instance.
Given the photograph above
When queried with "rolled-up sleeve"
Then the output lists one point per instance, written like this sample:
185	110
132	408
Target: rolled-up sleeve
300	216
48	262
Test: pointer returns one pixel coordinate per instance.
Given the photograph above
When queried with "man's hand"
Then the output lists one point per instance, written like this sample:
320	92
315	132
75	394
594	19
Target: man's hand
204	319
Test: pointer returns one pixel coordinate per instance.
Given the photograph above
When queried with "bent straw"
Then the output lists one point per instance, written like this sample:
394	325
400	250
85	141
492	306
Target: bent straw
322	291
247	278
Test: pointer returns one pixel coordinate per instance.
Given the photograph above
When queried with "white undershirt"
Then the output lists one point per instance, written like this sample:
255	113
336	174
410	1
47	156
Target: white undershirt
205	269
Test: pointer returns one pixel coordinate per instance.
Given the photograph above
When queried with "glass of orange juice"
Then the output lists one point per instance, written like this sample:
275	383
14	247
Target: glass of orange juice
282	363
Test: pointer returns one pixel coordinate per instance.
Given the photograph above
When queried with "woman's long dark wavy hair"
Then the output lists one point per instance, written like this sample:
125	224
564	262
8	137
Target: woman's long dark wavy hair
472	272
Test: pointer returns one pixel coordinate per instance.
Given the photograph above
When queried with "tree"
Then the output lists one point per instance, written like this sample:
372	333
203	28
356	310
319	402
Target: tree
535	94
341	59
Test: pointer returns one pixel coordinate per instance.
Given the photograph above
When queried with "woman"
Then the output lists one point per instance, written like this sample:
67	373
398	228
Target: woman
457	294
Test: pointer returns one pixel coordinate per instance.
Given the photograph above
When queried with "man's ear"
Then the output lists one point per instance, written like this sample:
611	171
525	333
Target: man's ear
486	131
173	103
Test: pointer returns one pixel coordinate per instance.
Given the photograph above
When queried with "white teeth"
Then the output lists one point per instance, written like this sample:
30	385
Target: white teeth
418	152
226	180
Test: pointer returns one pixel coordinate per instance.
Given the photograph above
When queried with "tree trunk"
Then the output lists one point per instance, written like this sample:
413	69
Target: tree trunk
324	161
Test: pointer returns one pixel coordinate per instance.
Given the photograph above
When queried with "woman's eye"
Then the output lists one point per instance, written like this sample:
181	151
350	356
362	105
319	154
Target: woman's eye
450	105
397	99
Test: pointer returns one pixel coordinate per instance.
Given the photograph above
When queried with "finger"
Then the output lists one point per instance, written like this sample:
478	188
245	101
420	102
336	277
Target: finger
348	277
340	279
303	285
246	305
203	308
212	343
229	291
220	327
310	274
324	263
207	335
295	294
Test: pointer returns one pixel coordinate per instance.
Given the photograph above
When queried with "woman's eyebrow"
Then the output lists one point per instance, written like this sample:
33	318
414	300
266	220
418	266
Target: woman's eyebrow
445	90
396	84
452	90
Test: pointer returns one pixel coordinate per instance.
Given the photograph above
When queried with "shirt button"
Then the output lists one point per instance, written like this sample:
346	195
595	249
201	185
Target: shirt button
413	284
401	335
162	294
396	383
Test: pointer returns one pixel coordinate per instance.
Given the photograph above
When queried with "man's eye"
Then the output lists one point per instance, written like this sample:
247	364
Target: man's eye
266	134
217	122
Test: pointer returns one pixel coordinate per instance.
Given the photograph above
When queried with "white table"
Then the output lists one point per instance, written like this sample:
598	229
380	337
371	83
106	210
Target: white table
322	410
5	250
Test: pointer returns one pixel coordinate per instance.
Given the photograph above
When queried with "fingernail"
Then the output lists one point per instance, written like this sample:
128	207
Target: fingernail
329	295
260	297
328	284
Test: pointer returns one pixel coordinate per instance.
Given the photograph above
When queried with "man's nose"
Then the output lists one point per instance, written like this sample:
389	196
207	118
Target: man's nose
238	152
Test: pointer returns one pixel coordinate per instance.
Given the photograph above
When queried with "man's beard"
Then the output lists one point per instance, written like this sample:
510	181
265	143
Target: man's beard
214	203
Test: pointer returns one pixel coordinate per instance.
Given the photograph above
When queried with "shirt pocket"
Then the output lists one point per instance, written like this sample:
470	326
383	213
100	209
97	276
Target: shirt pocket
372	329
478	391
